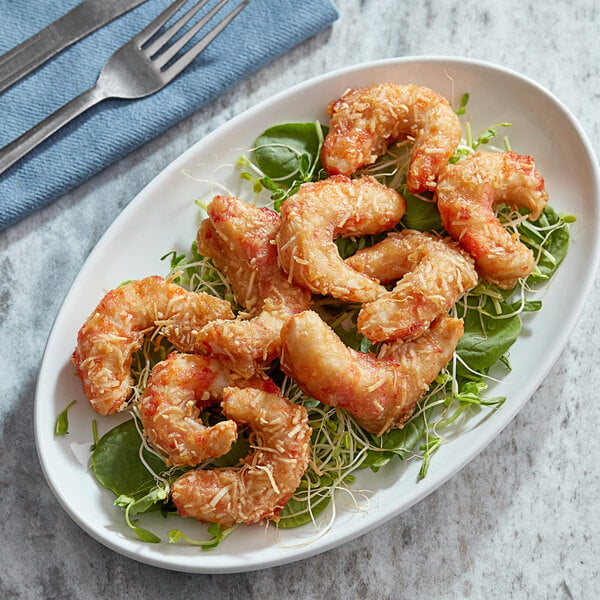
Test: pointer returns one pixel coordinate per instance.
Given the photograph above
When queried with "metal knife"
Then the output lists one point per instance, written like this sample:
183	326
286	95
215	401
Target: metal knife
82	20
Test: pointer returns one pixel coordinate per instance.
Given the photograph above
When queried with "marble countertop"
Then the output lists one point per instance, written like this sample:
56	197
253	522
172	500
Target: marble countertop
520	521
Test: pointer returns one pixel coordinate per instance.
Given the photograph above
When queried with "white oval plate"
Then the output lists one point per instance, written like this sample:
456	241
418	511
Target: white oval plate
164	217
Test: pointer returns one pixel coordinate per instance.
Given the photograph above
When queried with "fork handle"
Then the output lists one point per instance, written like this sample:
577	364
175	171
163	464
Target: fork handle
17	149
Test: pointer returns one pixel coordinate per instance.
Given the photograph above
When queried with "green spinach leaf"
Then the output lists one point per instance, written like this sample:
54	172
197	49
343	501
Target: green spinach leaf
553	234
290	152
295	513
420	214
117	466
488	335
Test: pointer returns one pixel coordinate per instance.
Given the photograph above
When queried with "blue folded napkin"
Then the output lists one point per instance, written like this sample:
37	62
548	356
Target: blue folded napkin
264	30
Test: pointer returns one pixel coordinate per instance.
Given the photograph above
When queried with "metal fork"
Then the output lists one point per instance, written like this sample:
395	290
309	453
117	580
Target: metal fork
137	69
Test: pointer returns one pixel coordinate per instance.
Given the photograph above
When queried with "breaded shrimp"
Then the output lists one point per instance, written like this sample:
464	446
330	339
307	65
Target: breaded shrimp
240	239
434	273
467	194
270	474
245	345
318	213
365	120
116	329
178	388
381	392
170	406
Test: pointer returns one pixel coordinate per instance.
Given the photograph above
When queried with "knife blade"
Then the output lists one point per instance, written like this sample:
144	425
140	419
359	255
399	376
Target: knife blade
82	20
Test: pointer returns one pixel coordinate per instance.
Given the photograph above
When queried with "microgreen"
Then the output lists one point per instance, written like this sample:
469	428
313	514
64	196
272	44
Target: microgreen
216	531
61	426
462	107
133	507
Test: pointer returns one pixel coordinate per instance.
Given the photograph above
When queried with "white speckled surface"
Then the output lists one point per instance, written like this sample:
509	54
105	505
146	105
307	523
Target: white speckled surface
520	521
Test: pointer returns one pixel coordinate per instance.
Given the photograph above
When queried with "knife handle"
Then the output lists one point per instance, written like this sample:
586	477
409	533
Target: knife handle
80	21
24	144
22	59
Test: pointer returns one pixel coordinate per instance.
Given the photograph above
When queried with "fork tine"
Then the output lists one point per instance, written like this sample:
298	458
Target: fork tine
145	34
159	42
181	63
168	54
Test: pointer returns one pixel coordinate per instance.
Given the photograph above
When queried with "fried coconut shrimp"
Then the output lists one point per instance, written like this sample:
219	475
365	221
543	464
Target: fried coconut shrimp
381	392
116	329
318	213
240	239
467	194
434	273
270	474
178	388
365	120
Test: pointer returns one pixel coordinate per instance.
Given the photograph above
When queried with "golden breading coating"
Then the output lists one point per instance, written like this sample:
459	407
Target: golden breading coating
240	239
245	345
116	329
270	474
381	392
178	388
318	213
434	273
467	194
365	120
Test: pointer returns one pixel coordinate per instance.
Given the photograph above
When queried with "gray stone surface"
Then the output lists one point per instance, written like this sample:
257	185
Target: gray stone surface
520	521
